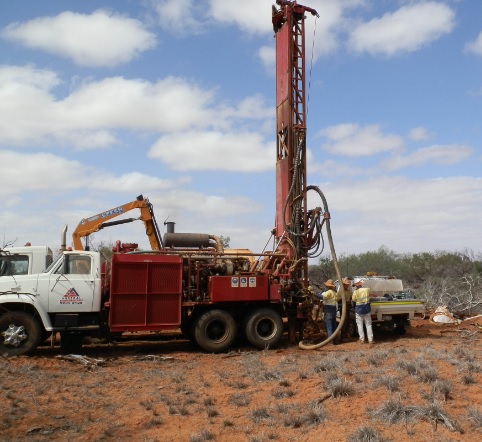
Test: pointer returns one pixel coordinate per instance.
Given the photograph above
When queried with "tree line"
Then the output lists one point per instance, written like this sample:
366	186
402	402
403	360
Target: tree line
438	278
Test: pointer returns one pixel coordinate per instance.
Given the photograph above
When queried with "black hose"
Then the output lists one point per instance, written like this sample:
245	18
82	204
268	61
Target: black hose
304	344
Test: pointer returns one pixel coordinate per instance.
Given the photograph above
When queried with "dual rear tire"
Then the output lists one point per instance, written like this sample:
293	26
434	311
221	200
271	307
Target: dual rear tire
215	330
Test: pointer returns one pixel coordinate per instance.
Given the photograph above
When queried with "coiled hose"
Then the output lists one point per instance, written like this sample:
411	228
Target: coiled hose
305	344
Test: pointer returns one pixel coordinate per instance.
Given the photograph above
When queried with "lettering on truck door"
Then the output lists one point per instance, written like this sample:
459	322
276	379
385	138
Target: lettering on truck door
72	285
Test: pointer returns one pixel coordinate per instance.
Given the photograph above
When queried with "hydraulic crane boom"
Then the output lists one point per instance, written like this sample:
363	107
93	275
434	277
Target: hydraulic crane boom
97	222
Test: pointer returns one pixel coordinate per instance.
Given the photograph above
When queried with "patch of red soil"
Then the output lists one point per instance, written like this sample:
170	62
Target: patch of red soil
168	390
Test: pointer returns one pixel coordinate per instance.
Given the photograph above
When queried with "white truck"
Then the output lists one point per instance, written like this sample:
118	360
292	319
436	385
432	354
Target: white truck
24	260
392	307
66	295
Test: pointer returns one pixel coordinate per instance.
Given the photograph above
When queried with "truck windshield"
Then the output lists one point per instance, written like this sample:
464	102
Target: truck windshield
13	265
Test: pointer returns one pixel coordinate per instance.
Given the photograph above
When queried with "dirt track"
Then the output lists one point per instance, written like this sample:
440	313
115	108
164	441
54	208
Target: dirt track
429	383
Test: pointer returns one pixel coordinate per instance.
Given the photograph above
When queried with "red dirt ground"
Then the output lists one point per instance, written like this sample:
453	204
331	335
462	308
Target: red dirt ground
168	390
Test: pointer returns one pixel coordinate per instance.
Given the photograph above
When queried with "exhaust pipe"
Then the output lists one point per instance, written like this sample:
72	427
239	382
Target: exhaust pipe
63	239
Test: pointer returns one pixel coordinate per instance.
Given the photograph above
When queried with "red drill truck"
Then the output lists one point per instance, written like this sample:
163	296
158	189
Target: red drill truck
189	281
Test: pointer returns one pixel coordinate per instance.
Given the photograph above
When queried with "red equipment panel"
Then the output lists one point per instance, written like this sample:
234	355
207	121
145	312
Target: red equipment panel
145	292
238	288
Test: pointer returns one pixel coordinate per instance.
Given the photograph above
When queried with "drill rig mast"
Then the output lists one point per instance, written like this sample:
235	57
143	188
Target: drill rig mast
297	229
293	224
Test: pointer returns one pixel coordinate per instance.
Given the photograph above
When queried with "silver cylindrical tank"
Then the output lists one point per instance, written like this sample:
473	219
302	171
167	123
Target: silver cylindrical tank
186	240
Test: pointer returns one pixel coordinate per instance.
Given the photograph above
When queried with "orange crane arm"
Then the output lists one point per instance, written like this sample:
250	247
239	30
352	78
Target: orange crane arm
99	221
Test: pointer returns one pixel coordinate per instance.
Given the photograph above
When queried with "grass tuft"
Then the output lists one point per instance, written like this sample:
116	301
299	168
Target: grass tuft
394	412
365	434
259	415
202	436
282	393
339	387
390	382
435	414
475	417
239	399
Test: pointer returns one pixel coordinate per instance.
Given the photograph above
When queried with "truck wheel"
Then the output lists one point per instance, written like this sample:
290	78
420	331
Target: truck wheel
264	328
215	331
20	334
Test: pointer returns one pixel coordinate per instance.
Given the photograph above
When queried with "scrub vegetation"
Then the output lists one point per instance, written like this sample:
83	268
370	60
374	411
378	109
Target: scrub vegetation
453	279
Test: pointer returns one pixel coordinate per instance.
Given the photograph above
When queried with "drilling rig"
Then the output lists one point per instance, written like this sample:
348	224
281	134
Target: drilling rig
189	281
297	229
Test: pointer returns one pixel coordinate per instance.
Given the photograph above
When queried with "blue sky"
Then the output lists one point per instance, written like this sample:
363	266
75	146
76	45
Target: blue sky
101	101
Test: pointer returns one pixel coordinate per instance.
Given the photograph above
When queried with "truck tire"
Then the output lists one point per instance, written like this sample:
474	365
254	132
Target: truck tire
215	331
20	333
264	328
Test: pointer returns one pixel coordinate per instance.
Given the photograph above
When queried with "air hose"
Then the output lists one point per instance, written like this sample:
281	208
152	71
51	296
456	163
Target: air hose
306	344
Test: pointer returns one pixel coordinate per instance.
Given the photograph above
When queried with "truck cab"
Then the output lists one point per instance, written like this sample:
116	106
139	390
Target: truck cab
66	296
24	260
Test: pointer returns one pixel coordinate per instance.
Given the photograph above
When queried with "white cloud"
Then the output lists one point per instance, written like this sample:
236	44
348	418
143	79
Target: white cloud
406	30
89	117
250	108
249	15
182	17
39	172
267	56
404	214
475	46
11	77
326	29
208	206
46	171
241	152
419	134
167	105
95	111
133	180
355	141
436	154
102	38
54	191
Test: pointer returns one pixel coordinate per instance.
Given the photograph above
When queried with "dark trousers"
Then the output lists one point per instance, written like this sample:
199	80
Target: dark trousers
347	318
330	318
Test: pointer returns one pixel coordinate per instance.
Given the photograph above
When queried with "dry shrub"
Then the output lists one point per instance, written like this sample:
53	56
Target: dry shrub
259	415
390	382
339	387
365	434
394	412
202	436
434	413
239	399
475	417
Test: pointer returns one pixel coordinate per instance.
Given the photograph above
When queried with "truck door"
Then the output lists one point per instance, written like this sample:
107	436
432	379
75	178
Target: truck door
72	285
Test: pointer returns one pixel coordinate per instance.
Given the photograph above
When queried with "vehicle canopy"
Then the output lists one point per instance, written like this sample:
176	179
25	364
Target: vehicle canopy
381	285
